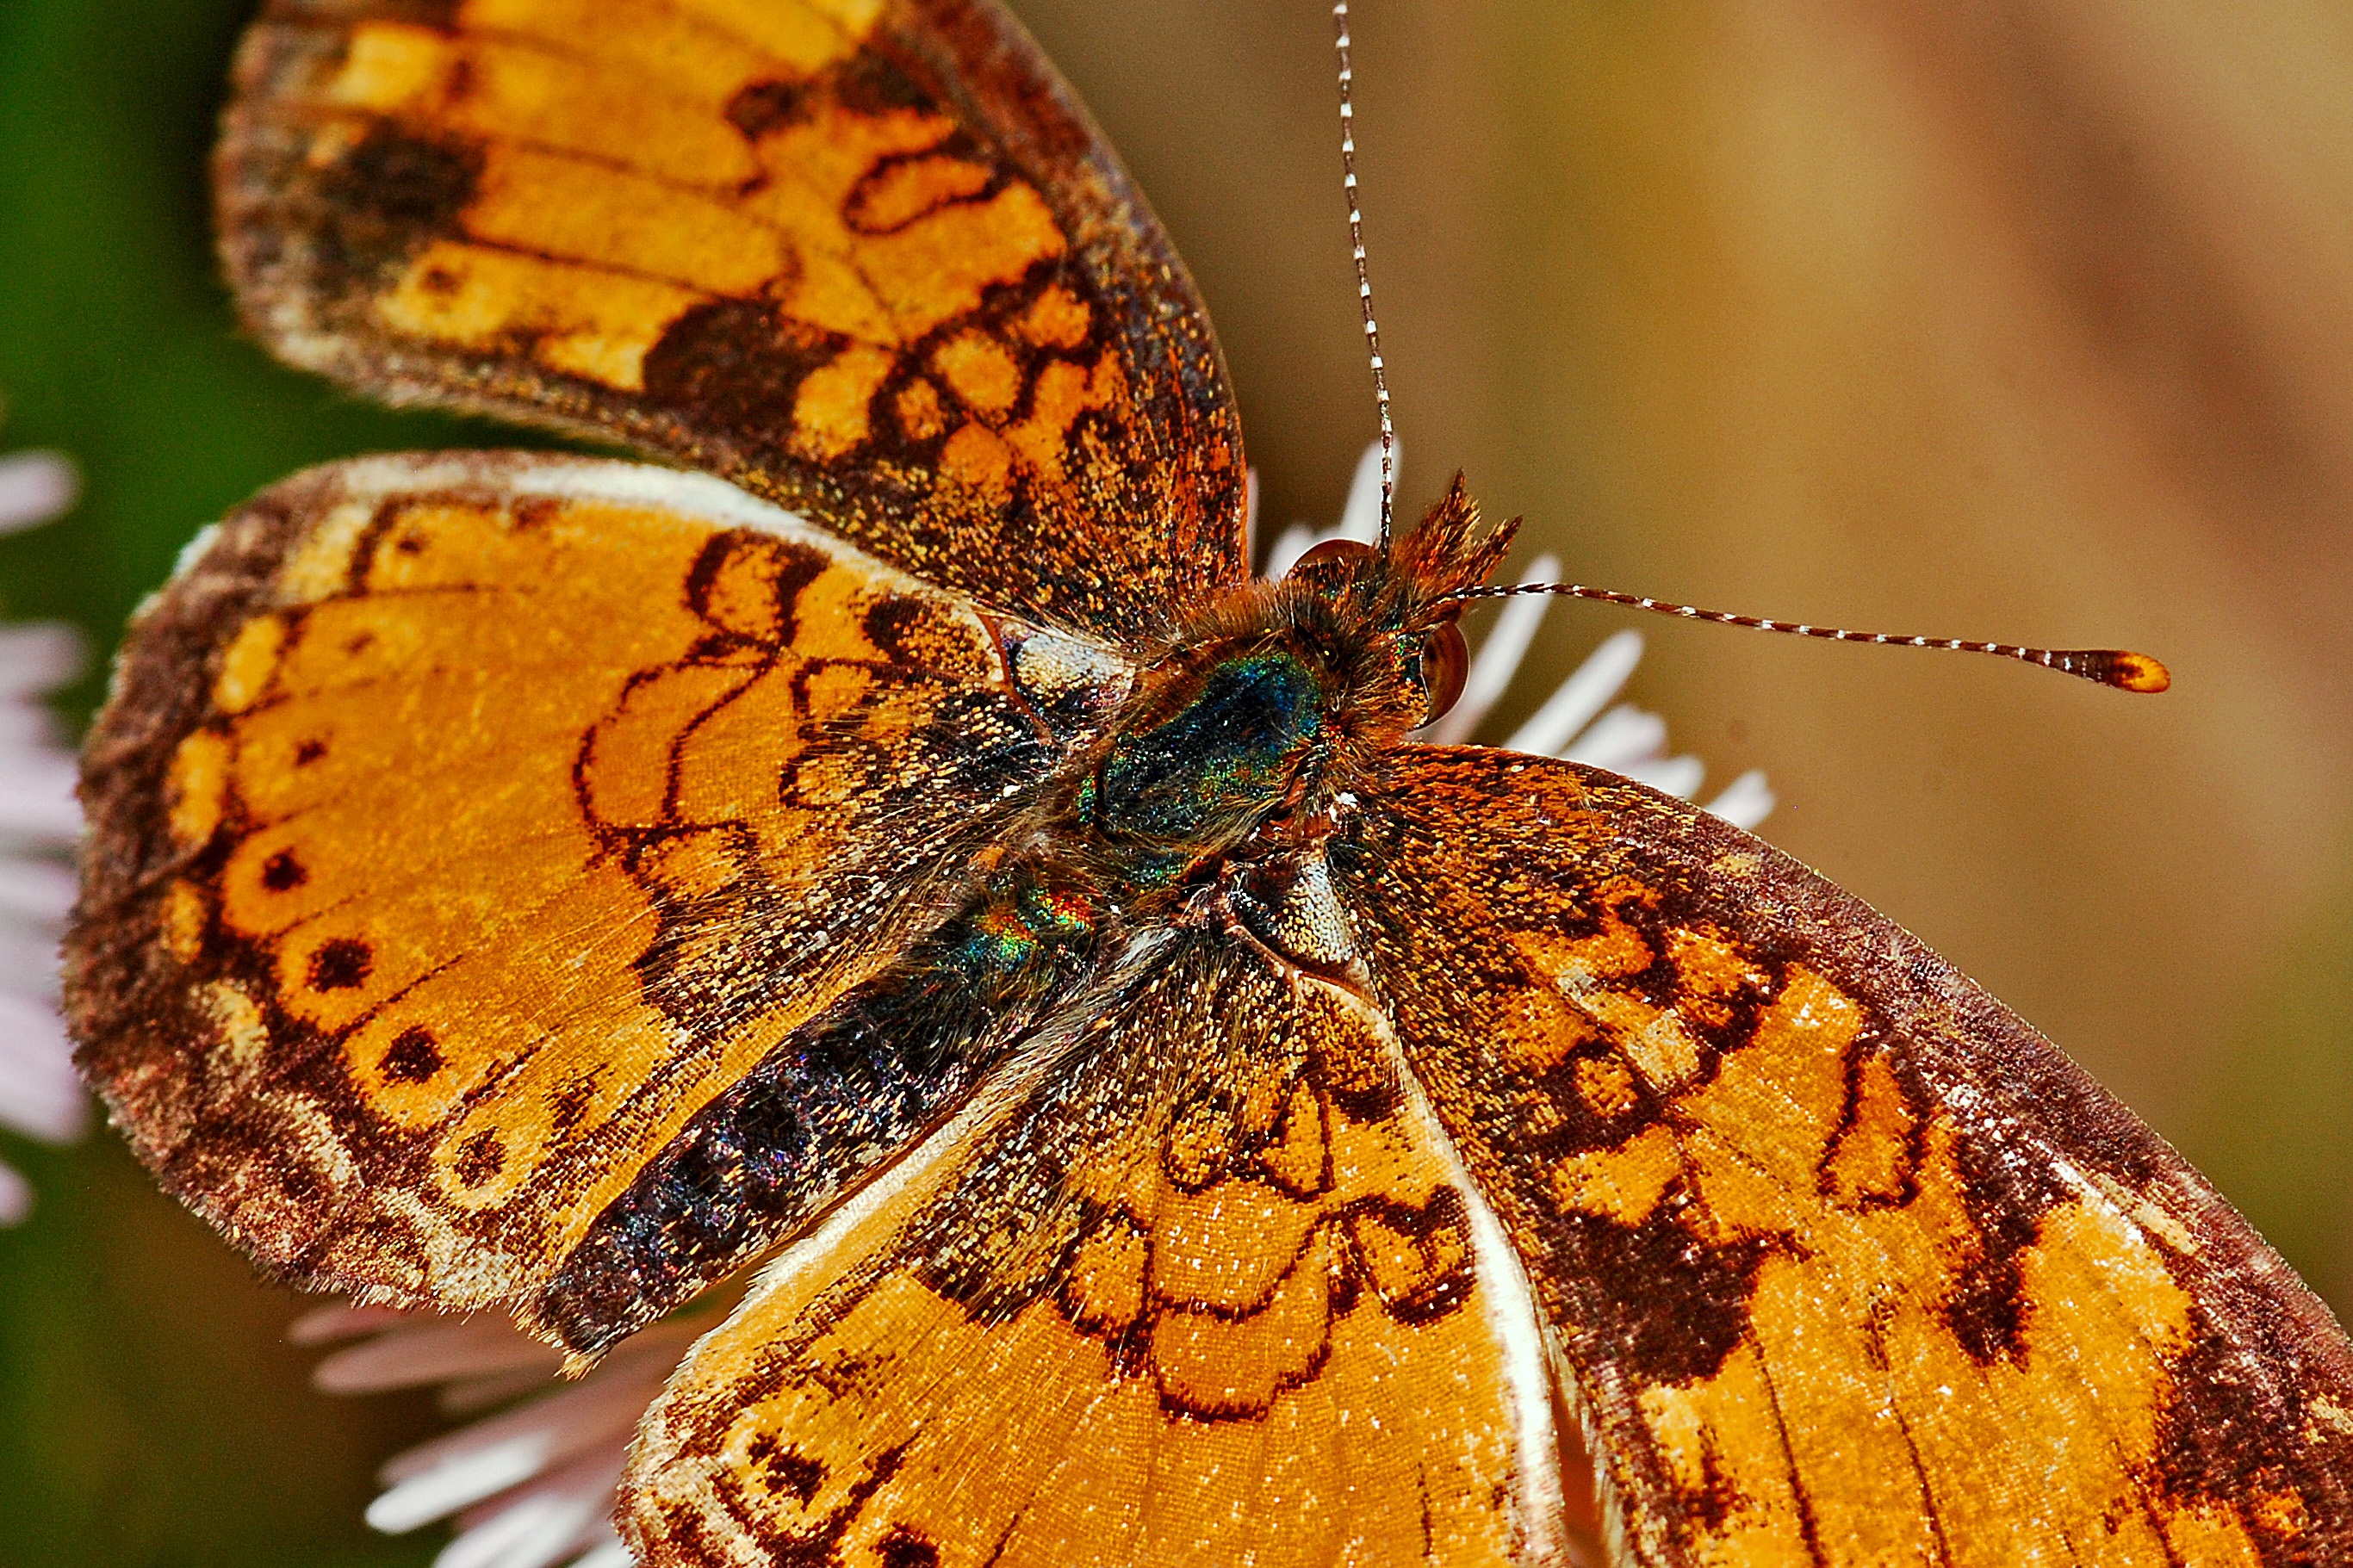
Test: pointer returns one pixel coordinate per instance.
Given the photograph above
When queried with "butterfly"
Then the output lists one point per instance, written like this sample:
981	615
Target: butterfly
1183	1117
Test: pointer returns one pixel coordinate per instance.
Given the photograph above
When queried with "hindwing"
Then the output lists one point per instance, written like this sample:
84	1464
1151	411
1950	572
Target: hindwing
1196	1281
1847	1264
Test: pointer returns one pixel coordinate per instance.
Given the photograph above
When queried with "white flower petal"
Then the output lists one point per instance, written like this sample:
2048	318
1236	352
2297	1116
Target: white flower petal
28	968
432	1351
1498	658
36	486
36	799
607	1553
540	1527
39	1094
15	1195
574	1431
1619	740
1678	776
482	1473
1745	801
1360	518
40	655
1576	700
563	1424
466	1395
36	891
1289	545
39	1111
341	1321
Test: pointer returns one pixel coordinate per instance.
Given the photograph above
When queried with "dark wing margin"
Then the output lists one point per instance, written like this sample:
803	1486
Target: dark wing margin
1845	1262
870	261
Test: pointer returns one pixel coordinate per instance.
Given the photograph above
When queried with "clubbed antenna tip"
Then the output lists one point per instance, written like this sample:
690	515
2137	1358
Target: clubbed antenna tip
2118	667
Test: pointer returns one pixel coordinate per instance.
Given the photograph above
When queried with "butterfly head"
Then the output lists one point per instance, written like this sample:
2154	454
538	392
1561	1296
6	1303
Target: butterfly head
1395	612
1279	699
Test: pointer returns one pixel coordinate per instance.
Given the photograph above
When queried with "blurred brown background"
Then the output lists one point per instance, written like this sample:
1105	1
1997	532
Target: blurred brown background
2018	321
2030	323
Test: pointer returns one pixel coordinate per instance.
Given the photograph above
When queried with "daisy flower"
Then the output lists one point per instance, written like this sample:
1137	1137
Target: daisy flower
39	822
528	1483
529	1480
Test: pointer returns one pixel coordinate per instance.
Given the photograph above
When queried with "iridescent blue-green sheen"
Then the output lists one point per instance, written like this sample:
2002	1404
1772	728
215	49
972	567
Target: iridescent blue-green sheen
1224	751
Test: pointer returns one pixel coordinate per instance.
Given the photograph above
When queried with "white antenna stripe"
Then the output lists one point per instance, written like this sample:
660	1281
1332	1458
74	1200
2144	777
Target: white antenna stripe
1364	279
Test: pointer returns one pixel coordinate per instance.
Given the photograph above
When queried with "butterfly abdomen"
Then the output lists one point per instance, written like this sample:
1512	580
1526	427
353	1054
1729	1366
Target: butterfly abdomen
834	1097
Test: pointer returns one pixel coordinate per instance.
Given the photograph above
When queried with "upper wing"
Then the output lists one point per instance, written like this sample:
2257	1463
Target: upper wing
465	830
868	258
1196	1282
1849	1265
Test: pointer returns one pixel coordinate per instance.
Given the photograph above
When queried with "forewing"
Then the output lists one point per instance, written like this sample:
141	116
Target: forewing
1196	1282
1849	1264
869	259
462	829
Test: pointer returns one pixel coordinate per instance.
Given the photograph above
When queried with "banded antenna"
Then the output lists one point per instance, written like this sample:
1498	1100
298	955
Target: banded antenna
2118	667
1363	278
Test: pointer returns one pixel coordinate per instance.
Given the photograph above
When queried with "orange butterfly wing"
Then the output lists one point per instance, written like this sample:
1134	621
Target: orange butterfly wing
1846	1264
467	829
483	849
1196	1281
870	260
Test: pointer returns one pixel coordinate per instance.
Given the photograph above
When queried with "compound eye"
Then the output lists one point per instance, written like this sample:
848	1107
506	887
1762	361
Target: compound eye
1337	550
1445	662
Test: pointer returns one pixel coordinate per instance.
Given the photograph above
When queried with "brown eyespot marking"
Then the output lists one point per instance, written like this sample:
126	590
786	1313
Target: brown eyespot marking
1187	1122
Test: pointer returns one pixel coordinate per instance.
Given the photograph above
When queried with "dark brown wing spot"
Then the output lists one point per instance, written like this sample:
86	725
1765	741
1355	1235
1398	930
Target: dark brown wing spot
785	1470
1988	1305
413	1056
393	192
764	107
902	1548
283	873
738	361
888	624
864	84
535	511
480	1159
1694	1297
440	14
340	964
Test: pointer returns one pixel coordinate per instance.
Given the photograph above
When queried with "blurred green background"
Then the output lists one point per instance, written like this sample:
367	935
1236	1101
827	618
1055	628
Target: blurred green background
2026	322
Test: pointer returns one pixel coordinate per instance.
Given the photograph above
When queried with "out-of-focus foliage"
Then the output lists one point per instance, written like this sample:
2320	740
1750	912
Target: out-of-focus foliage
150	1411
1948	316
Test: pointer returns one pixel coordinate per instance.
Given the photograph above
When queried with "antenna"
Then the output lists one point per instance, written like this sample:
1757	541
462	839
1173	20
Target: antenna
1363	278
2118	667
